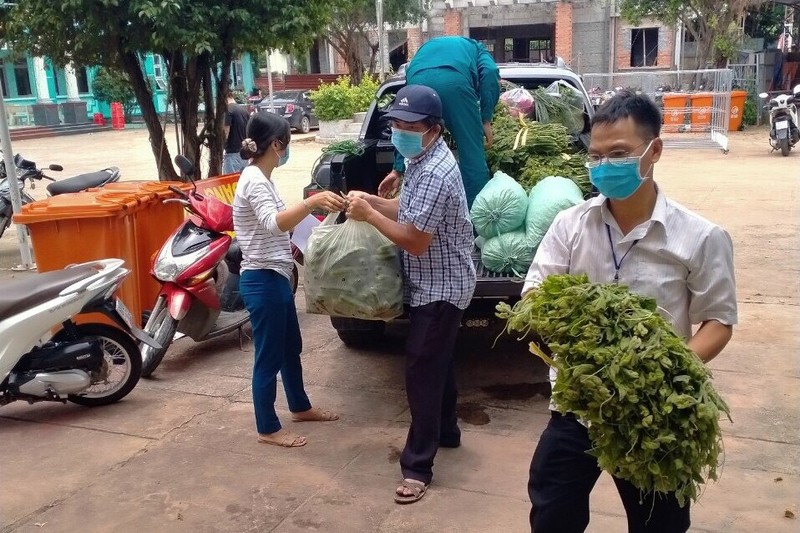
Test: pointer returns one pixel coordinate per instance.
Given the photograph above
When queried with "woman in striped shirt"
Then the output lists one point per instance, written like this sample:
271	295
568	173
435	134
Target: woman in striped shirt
262	223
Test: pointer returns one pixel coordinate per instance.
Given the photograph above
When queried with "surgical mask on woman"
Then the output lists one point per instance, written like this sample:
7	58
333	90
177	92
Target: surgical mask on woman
282	159
617	177
409	143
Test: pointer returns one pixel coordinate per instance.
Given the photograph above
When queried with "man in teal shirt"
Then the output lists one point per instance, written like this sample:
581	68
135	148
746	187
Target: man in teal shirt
467	80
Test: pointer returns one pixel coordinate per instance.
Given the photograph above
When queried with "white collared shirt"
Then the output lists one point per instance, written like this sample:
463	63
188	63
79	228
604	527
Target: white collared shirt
682	260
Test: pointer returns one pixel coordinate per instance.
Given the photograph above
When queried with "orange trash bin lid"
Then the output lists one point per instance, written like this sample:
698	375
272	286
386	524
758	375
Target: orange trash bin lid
76	205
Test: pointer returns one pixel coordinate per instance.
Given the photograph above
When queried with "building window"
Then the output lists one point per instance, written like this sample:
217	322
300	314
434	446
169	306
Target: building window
489	44
23	79
508	48
160	72
644	47
83	79
539	50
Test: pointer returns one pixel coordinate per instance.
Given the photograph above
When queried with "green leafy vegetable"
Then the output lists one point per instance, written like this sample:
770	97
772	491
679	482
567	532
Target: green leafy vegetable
653	413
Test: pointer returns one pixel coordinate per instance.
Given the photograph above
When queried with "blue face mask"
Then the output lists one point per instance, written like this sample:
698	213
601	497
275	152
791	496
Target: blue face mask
408	143
282	159
619	179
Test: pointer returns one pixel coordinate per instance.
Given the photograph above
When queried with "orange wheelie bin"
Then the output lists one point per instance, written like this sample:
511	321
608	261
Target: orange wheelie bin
675	105
129	222
153	224
74	228
702	107
738	99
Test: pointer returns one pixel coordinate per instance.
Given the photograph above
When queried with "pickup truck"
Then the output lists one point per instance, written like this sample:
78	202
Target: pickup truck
364	172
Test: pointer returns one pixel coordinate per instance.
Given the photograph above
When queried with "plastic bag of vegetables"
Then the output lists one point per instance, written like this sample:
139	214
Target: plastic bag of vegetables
518	100
500	207
508	254
352	271
546	200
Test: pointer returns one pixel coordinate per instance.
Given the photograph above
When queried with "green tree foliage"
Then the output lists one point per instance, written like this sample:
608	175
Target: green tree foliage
114	86
352	29
198	39
714	25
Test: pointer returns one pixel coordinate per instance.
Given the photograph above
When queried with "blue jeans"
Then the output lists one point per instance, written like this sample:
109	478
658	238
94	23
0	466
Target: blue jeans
276	336
232	163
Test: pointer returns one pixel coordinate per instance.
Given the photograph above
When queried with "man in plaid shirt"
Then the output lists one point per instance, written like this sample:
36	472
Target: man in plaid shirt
430	223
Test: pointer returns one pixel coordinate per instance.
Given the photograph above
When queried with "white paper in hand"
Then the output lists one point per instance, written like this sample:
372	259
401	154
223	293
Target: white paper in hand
303	231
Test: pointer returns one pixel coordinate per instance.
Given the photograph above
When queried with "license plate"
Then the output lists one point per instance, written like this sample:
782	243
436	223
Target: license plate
123	311
782	125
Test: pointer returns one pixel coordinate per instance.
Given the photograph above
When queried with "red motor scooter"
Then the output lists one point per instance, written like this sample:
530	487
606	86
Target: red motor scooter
198	267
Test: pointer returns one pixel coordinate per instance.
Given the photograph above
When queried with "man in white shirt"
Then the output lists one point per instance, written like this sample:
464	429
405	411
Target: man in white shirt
633	235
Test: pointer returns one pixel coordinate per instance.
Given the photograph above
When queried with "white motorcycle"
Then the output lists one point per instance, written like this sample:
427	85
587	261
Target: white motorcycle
784	127
89	363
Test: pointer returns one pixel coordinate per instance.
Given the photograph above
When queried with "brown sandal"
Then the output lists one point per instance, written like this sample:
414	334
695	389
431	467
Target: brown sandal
315	415
287	441
417	489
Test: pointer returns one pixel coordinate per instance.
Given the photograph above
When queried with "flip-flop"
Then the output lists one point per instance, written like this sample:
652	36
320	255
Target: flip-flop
418	489
319	416
288	441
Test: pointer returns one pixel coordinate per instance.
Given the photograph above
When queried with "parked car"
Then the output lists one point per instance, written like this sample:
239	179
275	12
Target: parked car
294	106
344	172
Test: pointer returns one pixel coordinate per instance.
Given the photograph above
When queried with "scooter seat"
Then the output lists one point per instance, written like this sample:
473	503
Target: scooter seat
33	290
81	182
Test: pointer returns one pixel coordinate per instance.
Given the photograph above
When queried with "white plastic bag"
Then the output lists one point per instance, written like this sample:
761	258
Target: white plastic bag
352	271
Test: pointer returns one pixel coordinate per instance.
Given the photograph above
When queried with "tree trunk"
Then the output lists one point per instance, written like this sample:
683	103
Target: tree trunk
213	139
144	96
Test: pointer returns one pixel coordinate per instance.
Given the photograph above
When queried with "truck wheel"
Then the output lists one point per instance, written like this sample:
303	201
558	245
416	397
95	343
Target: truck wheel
356	333
785	148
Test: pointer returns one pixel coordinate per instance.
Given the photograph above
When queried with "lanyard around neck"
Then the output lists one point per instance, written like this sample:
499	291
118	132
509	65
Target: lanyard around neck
617	264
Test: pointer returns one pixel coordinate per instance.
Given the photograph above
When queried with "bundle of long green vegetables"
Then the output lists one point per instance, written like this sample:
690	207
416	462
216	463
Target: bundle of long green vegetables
653	413
530	151
352	271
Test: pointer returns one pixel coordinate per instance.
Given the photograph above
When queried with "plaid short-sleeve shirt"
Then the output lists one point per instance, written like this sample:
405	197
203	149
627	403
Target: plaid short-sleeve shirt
433	200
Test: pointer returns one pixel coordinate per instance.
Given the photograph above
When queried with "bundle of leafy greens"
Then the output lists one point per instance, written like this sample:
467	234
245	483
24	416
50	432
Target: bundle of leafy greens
652	412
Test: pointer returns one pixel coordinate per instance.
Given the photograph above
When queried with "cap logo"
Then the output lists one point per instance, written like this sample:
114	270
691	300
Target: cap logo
403	102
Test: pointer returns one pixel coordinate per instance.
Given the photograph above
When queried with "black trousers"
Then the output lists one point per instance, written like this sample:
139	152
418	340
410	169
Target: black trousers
562	475
430	387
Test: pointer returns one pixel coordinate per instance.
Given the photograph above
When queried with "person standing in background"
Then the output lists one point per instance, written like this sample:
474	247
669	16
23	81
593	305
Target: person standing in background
466	78
235	132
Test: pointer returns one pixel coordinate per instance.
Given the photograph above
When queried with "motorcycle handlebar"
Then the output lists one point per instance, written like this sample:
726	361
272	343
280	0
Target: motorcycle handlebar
178	191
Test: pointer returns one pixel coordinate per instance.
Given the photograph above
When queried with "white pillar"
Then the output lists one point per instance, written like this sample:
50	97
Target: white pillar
42	89
72	83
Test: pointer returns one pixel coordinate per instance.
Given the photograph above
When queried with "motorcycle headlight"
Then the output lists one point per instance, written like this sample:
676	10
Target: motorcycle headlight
169	267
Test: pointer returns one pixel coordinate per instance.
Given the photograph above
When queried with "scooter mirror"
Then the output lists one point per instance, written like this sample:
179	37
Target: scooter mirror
186	166
763	95
56	168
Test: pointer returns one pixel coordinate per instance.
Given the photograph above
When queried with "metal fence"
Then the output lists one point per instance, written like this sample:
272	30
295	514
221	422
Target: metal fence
696	104
753	79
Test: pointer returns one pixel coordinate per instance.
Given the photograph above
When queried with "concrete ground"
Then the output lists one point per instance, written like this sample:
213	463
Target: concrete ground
179	453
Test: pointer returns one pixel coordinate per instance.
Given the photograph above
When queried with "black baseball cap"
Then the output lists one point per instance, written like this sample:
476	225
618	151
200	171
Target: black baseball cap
414	103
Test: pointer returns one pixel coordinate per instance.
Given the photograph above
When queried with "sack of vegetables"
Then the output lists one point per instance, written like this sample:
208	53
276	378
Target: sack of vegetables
651	410
509	253
500	207
352	271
